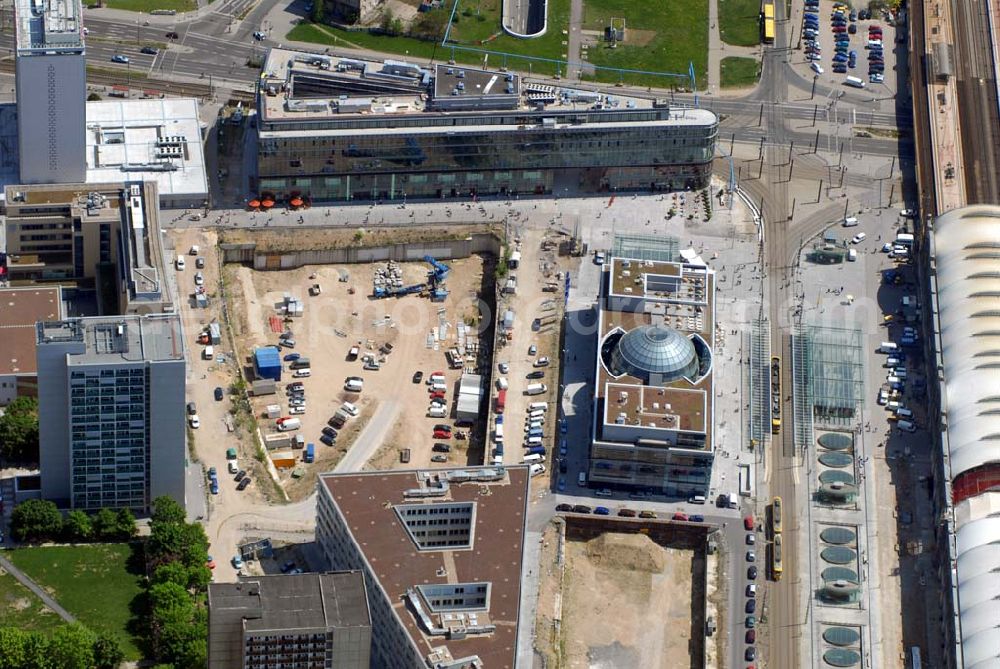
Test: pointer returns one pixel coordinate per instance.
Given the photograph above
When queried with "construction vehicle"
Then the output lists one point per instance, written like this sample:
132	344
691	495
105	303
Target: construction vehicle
434	285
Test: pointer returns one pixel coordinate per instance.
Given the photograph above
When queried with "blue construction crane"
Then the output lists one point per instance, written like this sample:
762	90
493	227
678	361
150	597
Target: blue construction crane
434	286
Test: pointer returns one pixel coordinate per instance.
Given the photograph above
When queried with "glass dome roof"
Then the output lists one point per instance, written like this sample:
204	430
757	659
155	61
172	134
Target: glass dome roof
655	351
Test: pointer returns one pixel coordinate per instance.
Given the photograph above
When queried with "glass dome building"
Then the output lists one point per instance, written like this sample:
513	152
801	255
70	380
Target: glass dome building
656	355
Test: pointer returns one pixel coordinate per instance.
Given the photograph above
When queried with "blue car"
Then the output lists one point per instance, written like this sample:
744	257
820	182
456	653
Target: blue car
602	511
840	58
292	356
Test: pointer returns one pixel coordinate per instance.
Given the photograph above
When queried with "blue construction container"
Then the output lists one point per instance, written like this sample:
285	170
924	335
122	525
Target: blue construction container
267	363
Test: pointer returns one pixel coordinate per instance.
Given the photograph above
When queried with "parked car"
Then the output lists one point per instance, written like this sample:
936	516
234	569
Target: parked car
219	394
538	374
750	654
439	458
626	513
243	484
581	508
192	409
418	376
563	508
542	362
327	439
751	606
194	421
748	523
149	50
751	572
750	622
680	516
647	514
602	511
237	562
751	636
441	434
240	475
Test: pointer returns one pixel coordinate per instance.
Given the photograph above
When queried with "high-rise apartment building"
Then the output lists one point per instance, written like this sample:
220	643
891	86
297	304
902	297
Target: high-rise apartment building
313	621
51	91
111	411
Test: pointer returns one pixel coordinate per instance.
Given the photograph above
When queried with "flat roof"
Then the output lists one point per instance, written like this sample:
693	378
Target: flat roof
676	295
155	140
20	309
311	87
48	25
298	603
118	339
367	501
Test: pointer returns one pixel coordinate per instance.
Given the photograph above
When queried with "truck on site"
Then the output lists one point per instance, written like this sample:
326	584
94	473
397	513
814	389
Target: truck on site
501	401
310	454
288	423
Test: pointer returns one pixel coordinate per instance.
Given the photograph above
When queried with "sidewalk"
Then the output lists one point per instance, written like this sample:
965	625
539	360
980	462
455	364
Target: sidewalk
35	588
717	50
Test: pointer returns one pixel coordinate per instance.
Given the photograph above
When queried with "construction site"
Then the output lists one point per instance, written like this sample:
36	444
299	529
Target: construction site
603	580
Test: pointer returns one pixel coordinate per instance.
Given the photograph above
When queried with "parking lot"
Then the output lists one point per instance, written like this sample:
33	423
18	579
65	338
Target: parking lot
529	351
398	335
827	45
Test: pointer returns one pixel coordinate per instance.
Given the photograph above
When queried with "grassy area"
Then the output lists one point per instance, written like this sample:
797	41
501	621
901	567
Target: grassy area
19	607
738	72
666	38
739	22
151	5
470	30
93	582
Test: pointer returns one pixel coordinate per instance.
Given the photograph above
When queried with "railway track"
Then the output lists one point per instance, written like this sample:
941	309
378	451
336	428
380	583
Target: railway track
164	86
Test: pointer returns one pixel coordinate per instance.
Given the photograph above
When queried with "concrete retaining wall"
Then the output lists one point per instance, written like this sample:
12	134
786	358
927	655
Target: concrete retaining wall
447	249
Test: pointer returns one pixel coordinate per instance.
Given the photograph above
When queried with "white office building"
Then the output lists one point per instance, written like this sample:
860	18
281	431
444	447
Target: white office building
51	91
111	411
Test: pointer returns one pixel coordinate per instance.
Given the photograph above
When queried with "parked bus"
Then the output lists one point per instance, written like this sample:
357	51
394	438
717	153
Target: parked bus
775	395
767	22
776	565
776	516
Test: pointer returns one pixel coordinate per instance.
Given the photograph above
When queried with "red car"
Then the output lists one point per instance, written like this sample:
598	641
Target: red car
839	29
748	523
751	636
680	516
441	434
437	394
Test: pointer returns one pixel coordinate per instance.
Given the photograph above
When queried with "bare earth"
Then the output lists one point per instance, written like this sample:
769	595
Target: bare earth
627	603
334	321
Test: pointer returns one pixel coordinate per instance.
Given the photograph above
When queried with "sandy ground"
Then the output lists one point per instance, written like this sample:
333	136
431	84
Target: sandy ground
337	319
627	603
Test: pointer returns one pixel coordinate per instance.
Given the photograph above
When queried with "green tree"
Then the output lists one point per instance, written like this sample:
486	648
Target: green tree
430	25
71	647
126	524
77	526
15	652
105	525
166	510
171	572
19	430
317	11
35	520
108	653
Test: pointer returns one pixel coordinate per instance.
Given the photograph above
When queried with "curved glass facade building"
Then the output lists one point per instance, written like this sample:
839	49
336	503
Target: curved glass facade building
339	129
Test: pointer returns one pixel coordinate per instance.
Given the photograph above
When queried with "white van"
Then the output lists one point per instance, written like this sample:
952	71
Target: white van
354	385
697	499
180	262
899	372
906	426
538	406
437	411
439	386
289	424
536	469
536	415
850	222
502	383
854	81
888	347
535	389
208	353
302	373
533	426
534	457
816	67
532	441
852	255
436	378
903	412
